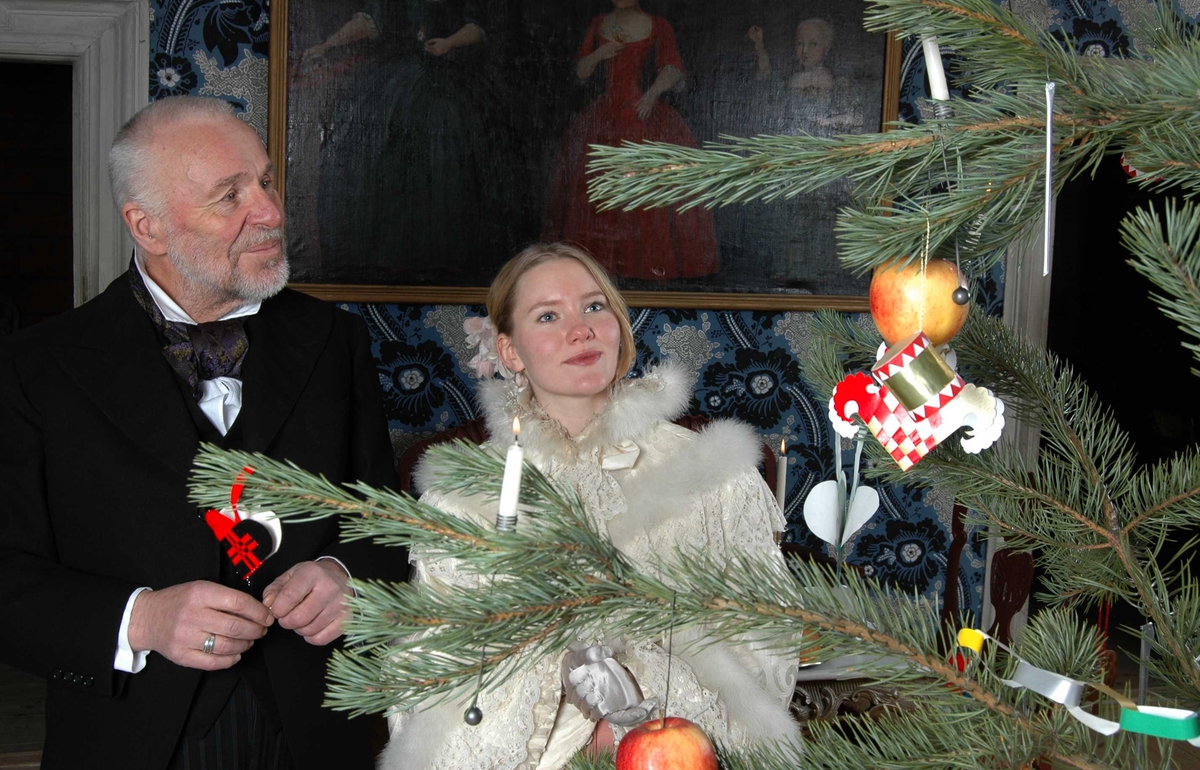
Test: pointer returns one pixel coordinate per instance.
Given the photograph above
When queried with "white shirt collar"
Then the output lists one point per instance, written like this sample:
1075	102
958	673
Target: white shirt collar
171	309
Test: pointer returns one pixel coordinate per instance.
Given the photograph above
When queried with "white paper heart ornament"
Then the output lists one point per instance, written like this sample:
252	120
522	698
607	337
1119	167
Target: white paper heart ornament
823	507
862	507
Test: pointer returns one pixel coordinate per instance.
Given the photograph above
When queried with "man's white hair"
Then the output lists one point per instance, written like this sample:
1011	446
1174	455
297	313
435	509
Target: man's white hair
129	158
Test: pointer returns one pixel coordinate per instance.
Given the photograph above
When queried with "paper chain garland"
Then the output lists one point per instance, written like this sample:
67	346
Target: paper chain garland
915	401
1156	721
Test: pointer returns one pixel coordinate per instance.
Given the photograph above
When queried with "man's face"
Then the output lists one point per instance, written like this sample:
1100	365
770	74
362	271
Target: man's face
223	217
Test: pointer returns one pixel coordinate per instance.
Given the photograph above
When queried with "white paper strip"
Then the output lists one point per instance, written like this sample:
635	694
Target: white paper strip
1047	244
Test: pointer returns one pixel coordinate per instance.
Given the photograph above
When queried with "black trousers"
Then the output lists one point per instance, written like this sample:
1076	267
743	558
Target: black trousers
241	738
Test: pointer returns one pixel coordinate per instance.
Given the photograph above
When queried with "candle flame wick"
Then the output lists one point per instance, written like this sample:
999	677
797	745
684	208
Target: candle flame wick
782	446
516	426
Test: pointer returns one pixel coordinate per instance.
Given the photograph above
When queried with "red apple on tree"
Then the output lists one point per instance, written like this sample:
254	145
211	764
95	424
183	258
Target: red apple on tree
904	300
673	743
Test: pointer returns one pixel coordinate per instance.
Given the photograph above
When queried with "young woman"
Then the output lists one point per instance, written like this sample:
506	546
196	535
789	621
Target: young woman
565	344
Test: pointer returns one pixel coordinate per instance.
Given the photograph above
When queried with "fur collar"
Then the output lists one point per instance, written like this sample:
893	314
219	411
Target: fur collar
633	407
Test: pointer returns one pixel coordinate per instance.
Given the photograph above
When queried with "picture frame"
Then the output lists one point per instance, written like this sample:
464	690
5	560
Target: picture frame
400	166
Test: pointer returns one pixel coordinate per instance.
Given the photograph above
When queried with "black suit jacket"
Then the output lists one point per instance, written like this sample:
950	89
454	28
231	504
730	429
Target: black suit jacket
96	442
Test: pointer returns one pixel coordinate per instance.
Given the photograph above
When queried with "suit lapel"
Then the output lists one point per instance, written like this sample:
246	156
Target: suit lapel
119	366
285	342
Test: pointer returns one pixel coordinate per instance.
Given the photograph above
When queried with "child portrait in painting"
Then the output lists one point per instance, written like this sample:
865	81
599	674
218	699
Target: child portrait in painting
811	77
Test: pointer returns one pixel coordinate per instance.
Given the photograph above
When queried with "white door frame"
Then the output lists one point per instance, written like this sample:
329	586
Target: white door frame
107	42
1026	312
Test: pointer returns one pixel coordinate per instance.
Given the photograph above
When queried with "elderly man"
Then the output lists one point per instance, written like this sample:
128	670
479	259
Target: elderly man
112	585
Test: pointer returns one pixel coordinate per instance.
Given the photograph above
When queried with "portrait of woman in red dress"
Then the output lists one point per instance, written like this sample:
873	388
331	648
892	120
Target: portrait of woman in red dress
627	47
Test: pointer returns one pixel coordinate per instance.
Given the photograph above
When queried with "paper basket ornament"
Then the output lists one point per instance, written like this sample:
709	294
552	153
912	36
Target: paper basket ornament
915	402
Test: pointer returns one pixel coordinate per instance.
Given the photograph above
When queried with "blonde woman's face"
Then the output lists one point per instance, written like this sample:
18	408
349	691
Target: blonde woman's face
565	337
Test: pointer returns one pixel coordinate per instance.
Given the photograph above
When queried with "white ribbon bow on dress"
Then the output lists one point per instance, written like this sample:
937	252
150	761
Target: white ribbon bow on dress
620	457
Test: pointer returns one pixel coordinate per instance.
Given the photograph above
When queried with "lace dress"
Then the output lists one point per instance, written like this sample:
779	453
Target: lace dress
653	487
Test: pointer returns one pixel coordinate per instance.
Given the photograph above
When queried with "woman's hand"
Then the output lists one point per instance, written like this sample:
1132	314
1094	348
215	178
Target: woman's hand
609	49
645	105
601	688
602	739
588	64
313	54
439	46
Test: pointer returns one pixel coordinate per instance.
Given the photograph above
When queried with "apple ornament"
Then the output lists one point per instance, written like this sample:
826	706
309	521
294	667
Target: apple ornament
910	299
672	743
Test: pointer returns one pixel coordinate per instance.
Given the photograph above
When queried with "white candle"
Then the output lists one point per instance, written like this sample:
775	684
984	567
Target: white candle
1048	214
510	491
781	475
933	67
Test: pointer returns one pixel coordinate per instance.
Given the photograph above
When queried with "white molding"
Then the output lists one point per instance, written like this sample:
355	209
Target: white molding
1027	312
108	44
1027	307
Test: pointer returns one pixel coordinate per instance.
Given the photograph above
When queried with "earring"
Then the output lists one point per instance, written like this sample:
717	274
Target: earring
521	380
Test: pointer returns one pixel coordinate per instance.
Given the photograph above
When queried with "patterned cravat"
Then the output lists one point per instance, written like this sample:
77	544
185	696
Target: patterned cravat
196	352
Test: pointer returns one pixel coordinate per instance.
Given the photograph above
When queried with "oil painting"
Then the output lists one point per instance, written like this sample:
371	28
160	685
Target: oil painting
426	141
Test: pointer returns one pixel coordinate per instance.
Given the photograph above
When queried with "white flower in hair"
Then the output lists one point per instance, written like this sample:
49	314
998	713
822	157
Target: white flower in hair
481	334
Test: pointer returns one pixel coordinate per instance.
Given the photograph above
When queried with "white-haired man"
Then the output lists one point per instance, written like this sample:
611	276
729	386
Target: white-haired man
103	560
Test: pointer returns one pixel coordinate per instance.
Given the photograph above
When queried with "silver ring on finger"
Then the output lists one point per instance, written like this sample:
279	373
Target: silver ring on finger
210	643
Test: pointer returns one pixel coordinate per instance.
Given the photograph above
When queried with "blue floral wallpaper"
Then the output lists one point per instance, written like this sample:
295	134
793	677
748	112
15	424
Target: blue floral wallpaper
746	362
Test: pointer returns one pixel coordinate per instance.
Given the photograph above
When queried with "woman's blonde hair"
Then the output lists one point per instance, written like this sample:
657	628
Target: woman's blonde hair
503	292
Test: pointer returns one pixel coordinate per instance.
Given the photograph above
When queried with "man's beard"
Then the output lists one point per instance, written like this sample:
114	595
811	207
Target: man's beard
213	283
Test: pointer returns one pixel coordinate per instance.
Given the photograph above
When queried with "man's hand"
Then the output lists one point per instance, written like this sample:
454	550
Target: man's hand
175	622
310	600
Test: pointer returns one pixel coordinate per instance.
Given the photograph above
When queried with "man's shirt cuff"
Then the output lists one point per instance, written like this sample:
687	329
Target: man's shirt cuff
338	562
126	659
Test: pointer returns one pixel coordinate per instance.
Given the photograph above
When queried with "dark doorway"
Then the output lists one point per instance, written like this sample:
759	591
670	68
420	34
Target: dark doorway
36	253
36	282
1104	323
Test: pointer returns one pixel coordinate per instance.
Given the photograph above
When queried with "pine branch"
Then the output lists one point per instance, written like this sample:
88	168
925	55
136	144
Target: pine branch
1173	264
1083	491
415	644
1097	523
994	143
585	761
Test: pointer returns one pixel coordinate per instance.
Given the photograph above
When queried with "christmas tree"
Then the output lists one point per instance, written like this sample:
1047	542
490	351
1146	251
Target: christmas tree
966	184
